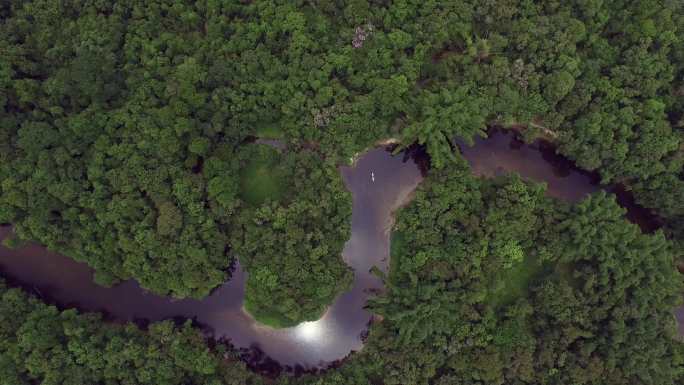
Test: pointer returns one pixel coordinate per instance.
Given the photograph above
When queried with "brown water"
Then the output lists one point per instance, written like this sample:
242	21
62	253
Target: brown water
502	152
311	344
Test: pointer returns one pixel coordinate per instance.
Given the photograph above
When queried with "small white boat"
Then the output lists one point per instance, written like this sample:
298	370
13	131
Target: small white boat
372	176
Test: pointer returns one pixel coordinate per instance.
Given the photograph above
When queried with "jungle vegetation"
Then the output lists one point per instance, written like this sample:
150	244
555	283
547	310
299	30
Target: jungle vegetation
290	235
592	306
126	142
41	344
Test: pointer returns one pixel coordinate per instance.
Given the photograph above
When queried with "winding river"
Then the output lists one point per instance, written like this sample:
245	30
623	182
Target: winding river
311	344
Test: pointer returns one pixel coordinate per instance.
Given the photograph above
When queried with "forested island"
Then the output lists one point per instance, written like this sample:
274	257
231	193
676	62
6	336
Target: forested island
168	142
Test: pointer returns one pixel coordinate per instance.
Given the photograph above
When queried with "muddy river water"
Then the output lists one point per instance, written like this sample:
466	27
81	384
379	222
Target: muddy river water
379	183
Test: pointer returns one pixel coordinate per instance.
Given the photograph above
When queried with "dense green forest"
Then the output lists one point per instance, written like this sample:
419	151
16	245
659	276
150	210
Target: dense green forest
126	142
40	343
291	235
491	282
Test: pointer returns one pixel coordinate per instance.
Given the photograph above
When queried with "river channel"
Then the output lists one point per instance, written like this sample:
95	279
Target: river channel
380	183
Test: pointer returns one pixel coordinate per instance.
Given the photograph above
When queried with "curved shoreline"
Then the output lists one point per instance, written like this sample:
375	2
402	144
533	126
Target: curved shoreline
309	345
380	185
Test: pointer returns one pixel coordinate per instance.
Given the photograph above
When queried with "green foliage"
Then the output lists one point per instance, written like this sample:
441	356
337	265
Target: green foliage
617	322
445	115
122	136
558	85
41	344
291	248
199	146
122	144
101	139
495	283
263	177
269	131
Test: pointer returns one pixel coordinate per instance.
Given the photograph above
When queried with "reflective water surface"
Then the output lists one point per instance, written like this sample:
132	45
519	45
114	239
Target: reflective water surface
502	152
379	183
310	344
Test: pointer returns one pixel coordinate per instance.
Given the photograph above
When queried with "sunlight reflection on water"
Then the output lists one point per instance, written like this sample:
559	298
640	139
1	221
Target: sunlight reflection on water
309	331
